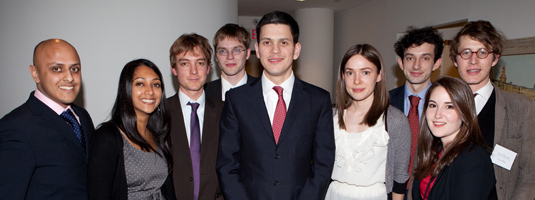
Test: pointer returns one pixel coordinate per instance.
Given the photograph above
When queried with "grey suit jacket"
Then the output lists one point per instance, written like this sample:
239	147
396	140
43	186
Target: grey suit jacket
182	169
515	130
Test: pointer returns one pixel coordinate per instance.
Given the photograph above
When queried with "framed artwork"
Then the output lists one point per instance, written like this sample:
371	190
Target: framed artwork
515	71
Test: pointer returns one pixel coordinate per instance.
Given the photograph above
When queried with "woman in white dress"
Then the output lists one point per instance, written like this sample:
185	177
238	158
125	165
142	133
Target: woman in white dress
372	138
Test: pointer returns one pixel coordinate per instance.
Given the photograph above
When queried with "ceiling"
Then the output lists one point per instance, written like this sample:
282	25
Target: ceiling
261	7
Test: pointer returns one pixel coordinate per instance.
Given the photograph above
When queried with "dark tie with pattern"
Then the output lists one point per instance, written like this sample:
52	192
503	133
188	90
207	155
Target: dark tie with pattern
195	148
68	116
280	114
414	122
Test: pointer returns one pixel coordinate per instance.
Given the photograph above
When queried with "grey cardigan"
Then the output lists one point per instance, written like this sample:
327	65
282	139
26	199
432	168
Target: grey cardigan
399	150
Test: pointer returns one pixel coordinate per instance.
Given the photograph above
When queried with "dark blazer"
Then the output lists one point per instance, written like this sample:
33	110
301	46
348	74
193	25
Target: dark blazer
251	166
470	176
396	97
514	129
182	169
213	88
106	174
40	156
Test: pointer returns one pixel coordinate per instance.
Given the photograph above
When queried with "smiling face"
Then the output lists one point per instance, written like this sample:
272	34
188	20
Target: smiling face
277	51
146	91
442	116
191	70
475	71
360	77
232	65
418	64
57	71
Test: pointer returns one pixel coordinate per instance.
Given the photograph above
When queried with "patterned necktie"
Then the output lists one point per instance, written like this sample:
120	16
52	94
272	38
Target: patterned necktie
414	122
280	114
195	149
68	116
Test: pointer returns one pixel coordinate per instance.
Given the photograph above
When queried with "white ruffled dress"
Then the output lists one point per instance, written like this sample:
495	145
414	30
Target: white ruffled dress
360	164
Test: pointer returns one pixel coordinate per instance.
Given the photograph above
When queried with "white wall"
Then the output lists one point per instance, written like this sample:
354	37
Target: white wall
377	23
107	35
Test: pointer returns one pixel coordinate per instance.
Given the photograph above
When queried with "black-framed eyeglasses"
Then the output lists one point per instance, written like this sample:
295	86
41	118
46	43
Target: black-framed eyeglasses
235	51
481	53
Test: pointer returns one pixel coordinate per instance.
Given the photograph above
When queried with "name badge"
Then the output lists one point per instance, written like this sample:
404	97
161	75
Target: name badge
503	157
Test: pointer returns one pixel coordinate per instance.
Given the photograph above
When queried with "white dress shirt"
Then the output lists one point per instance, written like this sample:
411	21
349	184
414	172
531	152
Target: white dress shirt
186	111
226	86
483	96
271	97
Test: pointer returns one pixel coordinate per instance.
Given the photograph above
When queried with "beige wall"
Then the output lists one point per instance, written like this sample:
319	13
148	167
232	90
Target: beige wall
107	35
377	22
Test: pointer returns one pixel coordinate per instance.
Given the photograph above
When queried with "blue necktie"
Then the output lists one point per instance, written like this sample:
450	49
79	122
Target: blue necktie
195	148
68	116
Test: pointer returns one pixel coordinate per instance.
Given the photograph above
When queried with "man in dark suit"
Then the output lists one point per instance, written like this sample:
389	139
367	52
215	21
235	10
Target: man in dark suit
43	155
419	54
267	151
194	120
506	119
231	44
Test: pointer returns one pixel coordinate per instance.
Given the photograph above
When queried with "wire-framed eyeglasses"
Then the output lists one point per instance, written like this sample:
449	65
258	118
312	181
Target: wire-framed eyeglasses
481	53
235	51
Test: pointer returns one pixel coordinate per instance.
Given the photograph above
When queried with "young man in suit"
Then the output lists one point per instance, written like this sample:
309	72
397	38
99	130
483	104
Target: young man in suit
231	44
43	143
419	54
506	119
277	139
194	119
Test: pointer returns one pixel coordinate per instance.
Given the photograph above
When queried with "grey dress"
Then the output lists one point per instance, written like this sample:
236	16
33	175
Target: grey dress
145	173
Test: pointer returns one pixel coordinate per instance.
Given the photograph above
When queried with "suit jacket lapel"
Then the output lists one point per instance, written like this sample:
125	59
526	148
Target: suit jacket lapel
209	129
256	101
499	116
87	126
52	120
178	133
299	96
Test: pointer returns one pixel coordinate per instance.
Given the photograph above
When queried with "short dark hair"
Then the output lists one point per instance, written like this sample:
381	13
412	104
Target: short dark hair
124	117
418	36
232	31
380	97
189	42
278	17
483	32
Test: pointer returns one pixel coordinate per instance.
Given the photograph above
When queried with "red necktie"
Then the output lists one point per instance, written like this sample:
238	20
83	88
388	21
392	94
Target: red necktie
414	122
280	114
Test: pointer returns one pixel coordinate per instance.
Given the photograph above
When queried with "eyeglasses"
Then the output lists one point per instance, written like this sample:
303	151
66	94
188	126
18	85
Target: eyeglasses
224	52
481	53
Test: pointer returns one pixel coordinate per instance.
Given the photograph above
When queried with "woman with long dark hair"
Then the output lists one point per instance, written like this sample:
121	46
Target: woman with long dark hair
129	156
453	161
372	138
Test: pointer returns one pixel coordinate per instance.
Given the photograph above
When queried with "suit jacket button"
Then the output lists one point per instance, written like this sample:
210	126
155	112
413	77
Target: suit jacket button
190	178
275	183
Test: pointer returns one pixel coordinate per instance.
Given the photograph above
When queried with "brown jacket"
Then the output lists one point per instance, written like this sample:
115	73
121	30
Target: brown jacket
182	170
515	130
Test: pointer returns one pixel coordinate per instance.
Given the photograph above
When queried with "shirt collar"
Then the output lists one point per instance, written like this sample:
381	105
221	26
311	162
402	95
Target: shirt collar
287	85
485	91
420	94
50	103
228	85
184	99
